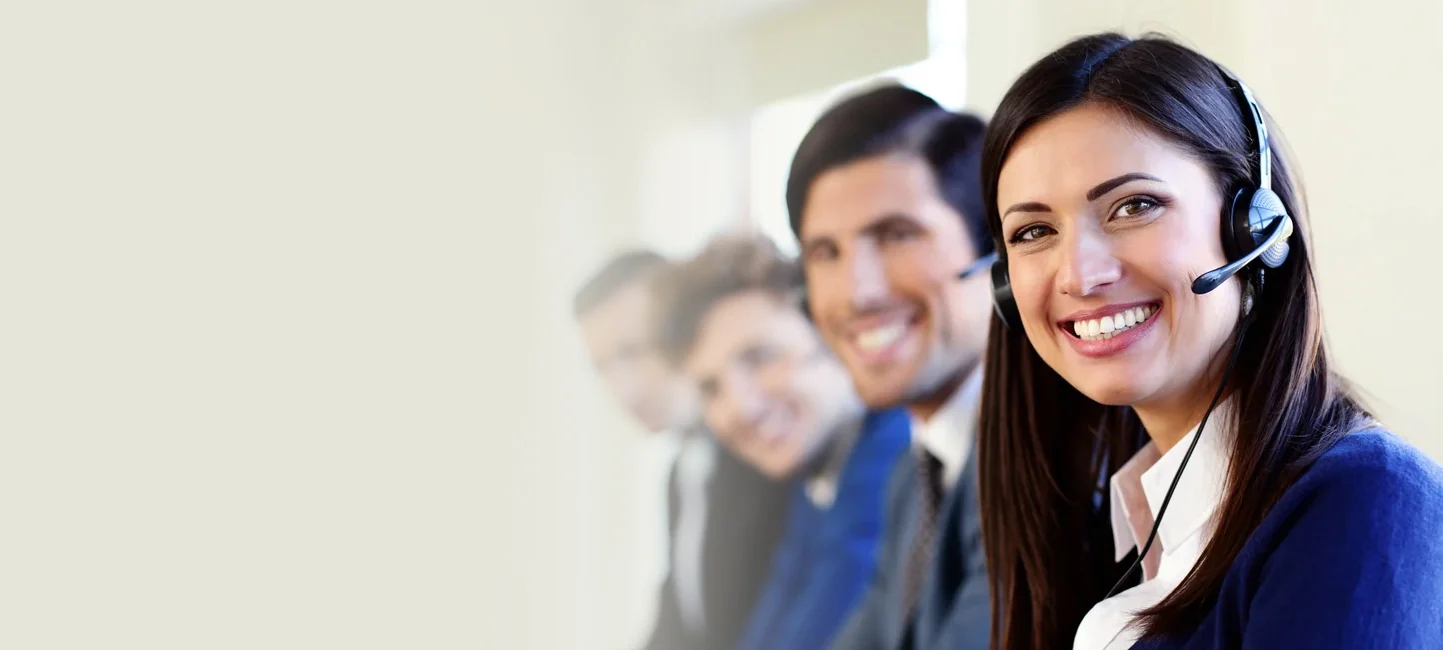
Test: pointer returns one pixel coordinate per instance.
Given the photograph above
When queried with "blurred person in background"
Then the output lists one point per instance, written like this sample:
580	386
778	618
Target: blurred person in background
1141	198
723	517
613	308
885	202
774	394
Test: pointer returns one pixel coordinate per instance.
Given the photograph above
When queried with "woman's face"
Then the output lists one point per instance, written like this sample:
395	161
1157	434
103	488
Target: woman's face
1106	225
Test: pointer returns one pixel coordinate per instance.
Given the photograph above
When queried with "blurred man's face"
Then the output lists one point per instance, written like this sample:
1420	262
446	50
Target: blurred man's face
618	336
770	391
882	250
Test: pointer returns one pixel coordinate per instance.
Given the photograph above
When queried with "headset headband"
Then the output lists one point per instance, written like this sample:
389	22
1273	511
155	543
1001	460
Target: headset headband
1250	109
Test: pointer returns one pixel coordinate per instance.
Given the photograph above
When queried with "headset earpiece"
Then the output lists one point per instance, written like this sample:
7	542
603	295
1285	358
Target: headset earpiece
1255	223
1002	300
1249	221
1264	208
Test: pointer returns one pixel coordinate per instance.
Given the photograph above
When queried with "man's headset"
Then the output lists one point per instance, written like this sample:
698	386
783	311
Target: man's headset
1255	224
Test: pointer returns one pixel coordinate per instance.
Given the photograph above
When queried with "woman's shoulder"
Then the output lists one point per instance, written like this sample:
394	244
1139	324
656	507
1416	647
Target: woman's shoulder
1376	457
1371	474
1350	556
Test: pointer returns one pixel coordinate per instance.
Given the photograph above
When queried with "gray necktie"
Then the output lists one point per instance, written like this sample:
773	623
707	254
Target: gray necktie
924	543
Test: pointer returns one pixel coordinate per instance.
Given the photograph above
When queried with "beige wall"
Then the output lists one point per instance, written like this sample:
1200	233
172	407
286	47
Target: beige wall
287	352
830	42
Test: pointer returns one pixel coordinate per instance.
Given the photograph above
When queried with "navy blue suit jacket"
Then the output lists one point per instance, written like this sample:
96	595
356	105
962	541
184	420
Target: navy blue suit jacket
1350	557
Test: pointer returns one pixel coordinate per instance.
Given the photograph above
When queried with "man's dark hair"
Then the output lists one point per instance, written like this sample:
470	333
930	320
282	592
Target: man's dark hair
729	265
894	119
620	272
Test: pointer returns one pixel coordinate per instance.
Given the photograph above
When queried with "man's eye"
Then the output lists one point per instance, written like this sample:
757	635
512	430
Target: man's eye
820	253
896	235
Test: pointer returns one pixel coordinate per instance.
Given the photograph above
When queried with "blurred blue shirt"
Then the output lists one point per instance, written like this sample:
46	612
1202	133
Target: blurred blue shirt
827	555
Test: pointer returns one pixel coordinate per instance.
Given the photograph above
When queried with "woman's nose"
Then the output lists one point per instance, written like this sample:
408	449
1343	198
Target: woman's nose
1088	265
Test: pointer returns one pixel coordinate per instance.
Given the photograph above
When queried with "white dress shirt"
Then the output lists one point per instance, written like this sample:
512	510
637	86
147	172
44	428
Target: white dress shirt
1138	488
948	434
694	465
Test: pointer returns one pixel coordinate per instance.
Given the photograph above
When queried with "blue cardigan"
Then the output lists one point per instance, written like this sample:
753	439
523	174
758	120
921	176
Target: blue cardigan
826	558
1350	557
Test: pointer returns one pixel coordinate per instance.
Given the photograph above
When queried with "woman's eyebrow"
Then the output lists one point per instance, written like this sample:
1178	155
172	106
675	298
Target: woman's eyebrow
1113	183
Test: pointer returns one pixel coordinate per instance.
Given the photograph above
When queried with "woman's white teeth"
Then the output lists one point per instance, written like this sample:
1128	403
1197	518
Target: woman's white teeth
878	338
1099	329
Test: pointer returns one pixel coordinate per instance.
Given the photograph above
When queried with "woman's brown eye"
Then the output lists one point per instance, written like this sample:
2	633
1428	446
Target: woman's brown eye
1031	233
1136	207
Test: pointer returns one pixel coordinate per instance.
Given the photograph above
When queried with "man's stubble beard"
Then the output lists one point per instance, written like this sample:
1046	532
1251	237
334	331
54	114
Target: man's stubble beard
943	369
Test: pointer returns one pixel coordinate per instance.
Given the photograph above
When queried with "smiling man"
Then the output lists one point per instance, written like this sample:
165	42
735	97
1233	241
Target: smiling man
885	199
775	395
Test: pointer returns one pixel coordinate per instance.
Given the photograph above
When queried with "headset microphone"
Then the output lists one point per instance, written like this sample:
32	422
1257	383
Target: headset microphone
980	264
1273	250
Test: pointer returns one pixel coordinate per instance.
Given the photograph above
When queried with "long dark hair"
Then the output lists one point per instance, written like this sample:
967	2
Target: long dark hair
1046	450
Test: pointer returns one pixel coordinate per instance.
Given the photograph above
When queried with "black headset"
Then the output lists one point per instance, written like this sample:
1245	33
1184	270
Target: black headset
1255	223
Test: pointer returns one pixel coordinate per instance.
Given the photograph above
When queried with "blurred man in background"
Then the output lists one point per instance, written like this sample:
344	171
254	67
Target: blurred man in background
884	196
724	517
613	309
774	394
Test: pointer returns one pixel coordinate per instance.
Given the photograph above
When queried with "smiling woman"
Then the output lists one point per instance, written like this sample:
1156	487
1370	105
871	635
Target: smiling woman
1108	218
1107	172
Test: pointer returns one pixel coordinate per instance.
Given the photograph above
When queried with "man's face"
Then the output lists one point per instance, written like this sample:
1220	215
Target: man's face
618	336
882	250
769	390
